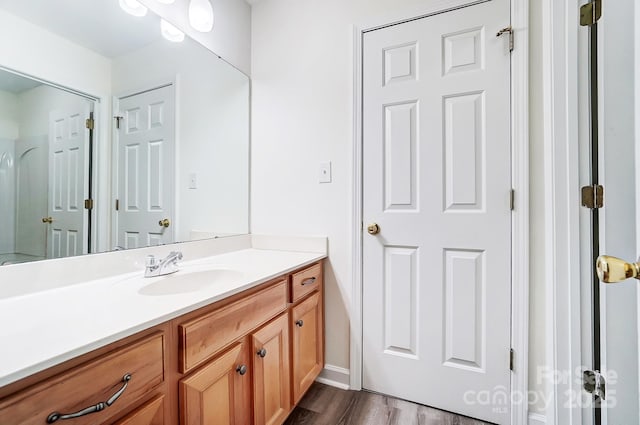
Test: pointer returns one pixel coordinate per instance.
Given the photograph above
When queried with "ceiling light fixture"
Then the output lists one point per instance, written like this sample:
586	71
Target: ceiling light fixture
166	1
201	15
133	7
170	32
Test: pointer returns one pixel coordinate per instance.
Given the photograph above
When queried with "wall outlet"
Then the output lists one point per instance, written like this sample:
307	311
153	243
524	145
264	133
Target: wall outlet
324	173
193	181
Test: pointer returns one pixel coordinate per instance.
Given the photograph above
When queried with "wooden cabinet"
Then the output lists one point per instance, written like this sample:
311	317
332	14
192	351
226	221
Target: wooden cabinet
307	344
244	360
220	392
271	386
150	413
99	385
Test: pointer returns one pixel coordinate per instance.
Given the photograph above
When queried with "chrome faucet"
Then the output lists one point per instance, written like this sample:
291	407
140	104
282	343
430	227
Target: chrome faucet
167	265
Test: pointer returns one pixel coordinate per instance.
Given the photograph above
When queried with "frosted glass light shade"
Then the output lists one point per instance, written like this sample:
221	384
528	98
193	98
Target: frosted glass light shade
133	7
201	15
170	32
166	1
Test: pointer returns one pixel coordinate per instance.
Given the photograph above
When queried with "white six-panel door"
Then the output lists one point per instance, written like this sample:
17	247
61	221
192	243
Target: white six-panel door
436	165
68	183
145	172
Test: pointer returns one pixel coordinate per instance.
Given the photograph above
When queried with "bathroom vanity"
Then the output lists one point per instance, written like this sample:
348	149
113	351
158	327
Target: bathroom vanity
232	338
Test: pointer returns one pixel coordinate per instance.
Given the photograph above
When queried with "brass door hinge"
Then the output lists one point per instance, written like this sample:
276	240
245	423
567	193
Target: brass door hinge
90	123
88	204
512	199
590	13
593	196
508	30
511	359
117	204
118	118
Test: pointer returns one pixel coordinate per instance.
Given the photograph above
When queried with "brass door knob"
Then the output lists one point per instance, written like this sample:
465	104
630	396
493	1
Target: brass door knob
47	220
164	222
373	229
612	269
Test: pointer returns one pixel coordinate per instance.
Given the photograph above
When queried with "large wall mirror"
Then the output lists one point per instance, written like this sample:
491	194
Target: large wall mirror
113	134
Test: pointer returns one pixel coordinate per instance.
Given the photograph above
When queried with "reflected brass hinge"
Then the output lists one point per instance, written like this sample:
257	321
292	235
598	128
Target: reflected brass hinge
594	383
508	30
511	359
512	199
117	204
89	123
593	196
88	204
590	13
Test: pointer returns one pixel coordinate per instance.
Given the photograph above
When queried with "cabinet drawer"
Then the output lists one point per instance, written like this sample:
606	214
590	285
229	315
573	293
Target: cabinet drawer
89	384
204	336
306	281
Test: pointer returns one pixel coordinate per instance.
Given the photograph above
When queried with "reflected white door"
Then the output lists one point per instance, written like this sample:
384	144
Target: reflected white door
145	176
436	164
68	183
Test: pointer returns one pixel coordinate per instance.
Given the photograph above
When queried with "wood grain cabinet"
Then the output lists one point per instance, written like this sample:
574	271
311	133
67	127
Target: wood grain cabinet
220	392
244	360
271	387
307	344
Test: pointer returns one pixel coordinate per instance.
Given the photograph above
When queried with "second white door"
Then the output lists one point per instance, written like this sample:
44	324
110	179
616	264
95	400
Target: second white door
437	182
145	171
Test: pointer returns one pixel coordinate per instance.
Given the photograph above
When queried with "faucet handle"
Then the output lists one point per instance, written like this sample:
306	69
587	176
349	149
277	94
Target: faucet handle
151	261
176	254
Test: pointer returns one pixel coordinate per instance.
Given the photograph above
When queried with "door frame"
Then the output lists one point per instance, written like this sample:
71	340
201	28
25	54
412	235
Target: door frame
520	182
563	55
172	82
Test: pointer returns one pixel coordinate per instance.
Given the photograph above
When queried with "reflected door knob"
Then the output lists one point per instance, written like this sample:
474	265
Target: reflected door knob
373	229
612	269
47	220
164	222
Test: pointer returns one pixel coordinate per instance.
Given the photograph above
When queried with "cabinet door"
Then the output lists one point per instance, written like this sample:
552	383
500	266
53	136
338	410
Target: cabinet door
150	413
307	341
220	392
271	387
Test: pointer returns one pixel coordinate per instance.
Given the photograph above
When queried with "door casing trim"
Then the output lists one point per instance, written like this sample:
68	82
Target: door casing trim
520	215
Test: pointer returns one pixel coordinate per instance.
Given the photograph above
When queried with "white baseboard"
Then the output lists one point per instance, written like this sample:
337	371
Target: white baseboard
334	376
537	419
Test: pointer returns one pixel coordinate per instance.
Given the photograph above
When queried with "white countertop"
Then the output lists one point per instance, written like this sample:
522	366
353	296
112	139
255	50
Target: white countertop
45	328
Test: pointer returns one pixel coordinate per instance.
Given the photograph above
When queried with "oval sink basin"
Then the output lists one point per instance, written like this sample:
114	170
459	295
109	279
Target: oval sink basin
183	282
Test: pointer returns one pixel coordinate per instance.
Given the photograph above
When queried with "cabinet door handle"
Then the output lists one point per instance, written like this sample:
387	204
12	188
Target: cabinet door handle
262	352
242	369
91	409
299	323
309	281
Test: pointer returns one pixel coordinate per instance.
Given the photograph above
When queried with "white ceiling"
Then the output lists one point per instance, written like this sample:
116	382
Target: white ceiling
99	25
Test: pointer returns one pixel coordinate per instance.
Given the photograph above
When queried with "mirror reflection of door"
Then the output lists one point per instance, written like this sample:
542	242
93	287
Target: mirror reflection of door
615	308
44	169
69	140
145	137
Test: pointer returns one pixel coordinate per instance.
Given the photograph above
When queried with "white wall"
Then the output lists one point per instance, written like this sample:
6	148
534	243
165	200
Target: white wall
302	76
231	34
212	138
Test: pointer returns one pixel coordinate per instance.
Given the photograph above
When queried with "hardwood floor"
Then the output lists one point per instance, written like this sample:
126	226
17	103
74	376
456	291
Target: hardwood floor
325	405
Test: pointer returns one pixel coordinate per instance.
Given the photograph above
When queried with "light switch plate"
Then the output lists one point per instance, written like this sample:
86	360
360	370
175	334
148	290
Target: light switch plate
193	181
324	173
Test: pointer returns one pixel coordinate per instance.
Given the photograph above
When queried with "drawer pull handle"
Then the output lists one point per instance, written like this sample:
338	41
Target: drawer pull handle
262	353
309	281
299	323
91	409
242	369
